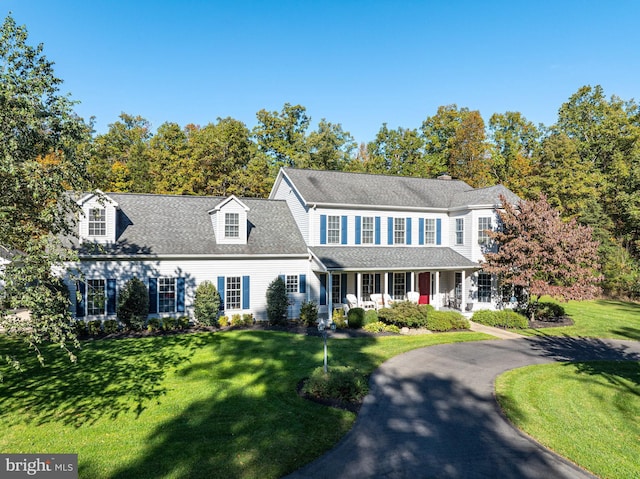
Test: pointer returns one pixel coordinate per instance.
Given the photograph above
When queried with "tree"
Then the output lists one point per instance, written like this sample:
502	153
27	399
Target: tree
330	147
398	152
171	164
277	301
206	303
133	304
543	254
120	158
281	137
39	161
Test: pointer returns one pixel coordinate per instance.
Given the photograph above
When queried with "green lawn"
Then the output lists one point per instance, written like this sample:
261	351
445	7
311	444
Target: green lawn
196	406
587	412
598	319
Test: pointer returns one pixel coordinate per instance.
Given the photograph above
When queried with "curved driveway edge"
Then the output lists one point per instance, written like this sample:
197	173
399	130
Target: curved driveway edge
431	413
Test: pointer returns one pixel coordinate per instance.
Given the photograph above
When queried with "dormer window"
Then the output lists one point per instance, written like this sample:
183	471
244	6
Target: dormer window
97	222
231	225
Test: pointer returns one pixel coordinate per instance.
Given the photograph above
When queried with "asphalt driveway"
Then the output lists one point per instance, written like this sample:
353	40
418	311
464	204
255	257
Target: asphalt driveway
431	413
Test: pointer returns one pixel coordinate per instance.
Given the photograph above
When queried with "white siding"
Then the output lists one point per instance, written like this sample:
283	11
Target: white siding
261	272
465	248
297	207
111	220
219	222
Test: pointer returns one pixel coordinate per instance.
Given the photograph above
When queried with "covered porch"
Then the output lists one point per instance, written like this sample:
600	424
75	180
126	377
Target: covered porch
363	276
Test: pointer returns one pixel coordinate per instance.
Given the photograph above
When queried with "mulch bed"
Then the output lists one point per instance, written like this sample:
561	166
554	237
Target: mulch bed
552	323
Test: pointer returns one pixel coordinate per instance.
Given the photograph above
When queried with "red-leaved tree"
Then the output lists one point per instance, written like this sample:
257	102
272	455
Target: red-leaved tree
543	254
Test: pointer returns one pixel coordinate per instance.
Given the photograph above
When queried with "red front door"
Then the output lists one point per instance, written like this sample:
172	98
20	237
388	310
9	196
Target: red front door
424	284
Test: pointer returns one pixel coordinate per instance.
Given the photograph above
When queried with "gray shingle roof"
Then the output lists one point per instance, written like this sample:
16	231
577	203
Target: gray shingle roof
340	188
181	225
390	258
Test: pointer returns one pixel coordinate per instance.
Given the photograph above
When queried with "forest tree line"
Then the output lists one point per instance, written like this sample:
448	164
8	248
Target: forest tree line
587	163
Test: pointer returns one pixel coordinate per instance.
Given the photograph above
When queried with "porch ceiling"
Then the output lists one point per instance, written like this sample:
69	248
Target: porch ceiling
380	258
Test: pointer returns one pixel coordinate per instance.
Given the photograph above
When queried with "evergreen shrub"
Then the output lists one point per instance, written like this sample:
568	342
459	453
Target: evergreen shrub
309	313
206	304
277	302
355	318
133	304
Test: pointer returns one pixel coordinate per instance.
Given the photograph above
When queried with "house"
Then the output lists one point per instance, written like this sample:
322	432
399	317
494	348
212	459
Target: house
326	233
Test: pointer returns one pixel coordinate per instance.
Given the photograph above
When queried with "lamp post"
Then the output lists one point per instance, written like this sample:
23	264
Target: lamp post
323	328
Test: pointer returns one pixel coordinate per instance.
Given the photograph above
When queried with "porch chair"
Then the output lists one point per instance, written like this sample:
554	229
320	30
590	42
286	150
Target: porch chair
377	300
413	296
388	300
352	301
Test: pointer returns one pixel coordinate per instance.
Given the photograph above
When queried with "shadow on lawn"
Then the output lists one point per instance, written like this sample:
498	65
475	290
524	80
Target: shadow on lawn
110	377
255	372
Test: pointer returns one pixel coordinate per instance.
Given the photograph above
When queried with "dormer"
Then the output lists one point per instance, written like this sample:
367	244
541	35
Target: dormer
98	218
229	220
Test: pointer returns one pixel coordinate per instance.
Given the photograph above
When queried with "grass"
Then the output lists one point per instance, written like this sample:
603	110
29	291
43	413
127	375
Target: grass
588	412
196	406
597	319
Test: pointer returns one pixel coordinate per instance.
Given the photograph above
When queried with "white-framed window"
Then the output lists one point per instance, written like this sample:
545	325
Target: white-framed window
398	231
96	296
484	224
367	230
233	292
484	288
368	285
399	286
231	225
166	295
97	222
333	229
292	283
459	231
430	231
335	288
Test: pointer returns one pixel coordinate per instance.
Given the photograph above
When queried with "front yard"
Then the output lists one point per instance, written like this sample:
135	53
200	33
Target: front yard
193	405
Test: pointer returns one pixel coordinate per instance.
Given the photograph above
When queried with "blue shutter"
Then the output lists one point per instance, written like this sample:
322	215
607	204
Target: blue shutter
390	231
245	292
408	230
407	282
111	296
376	283
421	231
180	295
153	295
221	291
303	283
378	230
323	229
80	298
343	287
323	289
344	230
283	278
438	231
358	229
390	283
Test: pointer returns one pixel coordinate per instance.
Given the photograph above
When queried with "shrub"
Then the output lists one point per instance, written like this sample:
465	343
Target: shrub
133	304
446	321
81	328
309	313
154	324
370	316
339	318
546	311
406	314
380	327
355	318
277	301
206	304
341	382
502	319
247	319
182	322
236	320
223	321
110	326
169	323
94	327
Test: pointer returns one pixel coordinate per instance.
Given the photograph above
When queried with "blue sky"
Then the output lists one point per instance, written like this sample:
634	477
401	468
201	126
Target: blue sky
357	63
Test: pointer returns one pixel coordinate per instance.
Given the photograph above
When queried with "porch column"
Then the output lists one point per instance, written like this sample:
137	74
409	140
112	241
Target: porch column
413	281
438	296
330	294
463	300
359	287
